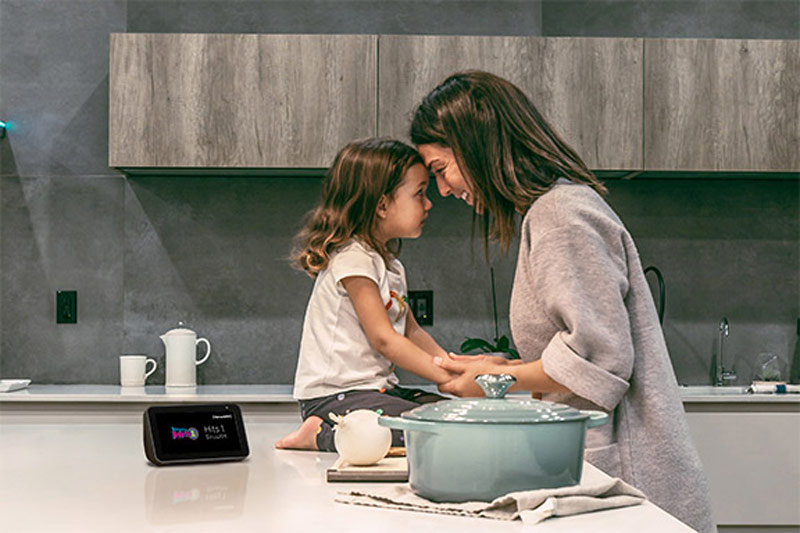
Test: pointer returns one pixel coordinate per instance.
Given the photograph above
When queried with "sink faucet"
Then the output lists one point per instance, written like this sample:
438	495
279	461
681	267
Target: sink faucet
722	375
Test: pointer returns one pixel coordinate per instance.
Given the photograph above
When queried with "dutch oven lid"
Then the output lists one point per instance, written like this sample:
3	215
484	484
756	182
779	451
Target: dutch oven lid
494	409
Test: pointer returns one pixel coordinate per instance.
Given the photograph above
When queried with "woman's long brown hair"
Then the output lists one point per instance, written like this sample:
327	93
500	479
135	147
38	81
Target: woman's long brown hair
507	152
362	172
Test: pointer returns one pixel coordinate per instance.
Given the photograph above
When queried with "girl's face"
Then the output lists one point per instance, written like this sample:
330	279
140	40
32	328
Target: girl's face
442	163
402	215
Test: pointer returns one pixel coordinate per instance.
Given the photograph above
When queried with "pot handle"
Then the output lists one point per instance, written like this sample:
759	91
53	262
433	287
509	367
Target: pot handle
596	418
405	423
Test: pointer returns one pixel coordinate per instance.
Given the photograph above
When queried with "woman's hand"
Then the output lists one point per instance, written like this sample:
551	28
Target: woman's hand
496	359
466	367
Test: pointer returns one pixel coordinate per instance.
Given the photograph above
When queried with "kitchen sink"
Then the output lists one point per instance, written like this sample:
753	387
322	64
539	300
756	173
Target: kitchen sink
711	390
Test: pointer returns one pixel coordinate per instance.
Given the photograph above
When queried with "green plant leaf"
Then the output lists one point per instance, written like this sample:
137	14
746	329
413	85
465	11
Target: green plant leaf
502	344
470	344
512	353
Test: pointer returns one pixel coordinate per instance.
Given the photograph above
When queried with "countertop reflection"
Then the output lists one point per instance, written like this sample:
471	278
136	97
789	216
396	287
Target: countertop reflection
186	494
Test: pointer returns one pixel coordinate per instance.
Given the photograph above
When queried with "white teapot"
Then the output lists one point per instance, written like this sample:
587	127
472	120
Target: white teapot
181	354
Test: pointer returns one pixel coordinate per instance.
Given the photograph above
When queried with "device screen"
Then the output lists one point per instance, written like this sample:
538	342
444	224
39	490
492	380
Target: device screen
206	433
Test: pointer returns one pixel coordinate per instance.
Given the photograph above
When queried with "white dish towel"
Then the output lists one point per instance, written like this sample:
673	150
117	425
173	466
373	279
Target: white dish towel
594	493
9	385
762	387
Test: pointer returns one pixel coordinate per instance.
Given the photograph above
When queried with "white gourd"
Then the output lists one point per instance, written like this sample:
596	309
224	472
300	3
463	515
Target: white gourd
359	439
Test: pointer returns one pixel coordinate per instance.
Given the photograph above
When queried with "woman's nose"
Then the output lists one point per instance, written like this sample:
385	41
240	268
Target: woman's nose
444	189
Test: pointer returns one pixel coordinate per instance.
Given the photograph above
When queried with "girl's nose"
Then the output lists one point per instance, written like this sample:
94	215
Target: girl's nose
428	204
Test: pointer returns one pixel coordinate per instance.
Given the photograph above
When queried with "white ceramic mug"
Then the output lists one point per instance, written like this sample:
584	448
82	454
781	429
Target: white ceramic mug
133	370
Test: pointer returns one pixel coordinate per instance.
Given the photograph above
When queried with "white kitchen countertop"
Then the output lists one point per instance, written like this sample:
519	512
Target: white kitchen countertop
93	477
732	394
152	394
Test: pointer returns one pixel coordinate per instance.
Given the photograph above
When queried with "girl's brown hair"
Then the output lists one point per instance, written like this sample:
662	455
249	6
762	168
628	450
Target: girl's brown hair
507	152
362	172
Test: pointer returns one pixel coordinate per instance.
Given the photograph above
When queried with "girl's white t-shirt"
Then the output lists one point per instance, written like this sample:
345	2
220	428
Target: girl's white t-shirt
335	353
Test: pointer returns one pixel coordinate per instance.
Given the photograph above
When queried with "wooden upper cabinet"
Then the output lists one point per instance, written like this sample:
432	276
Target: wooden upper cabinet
291	101
722	105
228	100
590	90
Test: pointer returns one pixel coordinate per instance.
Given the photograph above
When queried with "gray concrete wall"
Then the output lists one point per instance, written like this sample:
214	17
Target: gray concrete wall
144	253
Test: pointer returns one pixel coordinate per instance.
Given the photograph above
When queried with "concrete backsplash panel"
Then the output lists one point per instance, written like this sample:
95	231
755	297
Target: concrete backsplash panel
726	248
698	19
148	252
436	17
61	233
213	252
54	85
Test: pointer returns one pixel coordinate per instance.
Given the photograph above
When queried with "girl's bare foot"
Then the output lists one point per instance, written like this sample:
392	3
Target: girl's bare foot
304	437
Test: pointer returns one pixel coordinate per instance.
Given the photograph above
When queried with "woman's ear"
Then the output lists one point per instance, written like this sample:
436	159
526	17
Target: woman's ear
383	206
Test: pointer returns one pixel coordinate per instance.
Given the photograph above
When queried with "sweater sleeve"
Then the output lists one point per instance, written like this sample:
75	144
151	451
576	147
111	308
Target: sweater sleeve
580	276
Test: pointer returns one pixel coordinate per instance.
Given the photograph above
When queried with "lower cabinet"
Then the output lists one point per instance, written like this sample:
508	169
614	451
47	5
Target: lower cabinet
751	456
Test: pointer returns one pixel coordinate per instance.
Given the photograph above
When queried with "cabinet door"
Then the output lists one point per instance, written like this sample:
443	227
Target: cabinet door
722	105
752	462
200	100
590	90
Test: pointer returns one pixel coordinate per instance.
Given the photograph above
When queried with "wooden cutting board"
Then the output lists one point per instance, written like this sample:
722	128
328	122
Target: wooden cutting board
387	469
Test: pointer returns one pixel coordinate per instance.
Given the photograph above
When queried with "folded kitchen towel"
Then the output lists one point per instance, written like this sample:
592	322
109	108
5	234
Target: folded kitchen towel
531	506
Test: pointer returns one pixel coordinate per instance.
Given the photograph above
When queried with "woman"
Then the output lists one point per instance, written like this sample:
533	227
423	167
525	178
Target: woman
581	312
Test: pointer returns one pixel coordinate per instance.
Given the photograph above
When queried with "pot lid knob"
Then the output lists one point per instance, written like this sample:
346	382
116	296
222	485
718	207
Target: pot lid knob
495	385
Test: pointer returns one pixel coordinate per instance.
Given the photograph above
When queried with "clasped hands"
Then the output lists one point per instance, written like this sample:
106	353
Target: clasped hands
464	368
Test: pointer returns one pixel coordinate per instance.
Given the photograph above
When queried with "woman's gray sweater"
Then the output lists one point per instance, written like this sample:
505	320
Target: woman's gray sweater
581	303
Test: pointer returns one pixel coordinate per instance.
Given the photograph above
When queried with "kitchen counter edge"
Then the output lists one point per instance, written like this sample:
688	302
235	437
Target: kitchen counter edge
276	394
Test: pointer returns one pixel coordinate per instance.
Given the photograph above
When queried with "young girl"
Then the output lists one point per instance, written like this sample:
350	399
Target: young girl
357	325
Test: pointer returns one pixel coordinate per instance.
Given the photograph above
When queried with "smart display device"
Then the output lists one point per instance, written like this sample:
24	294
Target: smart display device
182	434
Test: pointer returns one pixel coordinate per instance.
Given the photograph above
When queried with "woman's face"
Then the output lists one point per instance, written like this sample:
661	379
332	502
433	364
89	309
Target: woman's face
441	161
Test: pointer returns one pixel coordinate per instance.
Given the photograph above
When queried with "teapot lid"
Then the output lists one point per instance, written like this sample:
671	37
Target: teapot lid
180	330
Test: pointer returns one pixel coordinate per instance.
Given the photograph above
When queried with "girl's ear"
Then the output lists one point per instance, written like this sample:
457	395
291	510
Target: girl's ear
383	206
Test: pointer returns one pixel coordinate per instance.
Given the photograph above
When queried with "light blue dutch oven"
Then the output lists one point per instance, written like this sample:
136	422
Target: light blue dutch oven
480	449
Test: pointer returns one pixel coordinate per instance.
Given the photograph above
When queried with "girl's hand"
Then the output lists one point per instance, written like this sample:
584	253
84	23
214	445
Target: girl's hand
466	368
